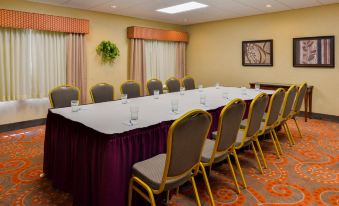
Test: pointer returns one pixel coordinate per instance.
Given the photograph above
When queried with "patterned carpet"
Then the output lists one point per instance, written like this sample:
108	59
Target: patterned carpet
307	174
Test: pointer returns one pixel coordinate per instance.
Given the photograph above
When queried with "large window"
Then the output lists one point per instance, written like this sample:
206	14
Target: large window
31	63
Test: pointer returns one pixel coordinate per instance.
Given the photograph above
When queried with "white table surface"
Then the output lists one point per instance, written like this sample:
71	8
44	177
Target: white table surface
113	117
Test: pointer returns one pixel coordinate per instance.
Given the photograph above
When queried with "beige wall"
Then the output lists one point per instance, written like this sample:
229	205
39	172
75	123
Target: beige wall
102	27
214	51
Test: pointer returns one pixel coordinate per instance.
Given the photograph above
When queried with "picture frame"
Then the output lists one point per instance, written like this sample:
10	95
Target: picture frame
315	51
257	53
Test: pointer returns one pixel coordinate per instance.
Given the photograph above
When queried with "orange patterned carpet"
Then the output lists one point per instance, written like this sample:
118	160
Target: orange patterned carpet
307	174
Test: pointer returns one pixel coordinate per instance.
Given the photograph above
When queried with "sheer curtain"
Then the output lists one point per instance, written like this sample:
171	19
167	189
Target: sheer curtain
31	63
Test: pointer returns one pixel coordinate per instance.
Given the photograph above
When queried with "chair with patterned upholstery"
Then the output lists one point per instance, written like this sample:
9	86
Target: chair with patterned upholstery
249	134
173	84
131	88
154	84
297	106
102	92
180	164
188	83
221	146
62	96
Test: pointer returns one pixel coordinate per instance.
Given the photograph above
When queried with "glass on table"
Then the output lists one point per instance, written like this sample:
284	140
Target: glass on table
203	99
175	105
124	98
200	87
134	113
182	90
257	87
243	91
156	94
217	85
75	105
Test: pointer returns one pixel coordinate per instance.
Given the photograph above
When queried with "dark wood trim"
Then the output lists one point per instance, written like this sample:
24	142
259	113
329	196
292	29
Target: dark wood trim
21	125
136	32
320	116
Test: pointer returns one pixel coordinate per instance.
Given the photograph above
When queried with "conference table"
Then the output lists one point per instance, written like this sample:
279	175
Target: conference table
90	153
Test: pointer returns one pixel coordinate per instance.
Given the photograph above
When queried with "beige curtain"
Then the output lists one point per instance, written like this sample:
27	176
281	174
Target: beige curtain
76	64
180	71
137	70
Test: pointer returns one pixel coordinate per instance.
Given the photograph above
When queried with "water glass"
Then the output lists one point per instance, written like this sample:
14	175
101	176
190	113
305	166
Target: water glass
182	90
156	94
200	88
124	98
257	87
243	90
175	105
203	99
134	113
217	85
75	105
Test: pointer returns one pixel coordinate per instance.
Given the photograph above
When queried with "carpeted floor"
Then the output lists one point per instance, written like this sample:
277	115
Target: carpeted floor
307	174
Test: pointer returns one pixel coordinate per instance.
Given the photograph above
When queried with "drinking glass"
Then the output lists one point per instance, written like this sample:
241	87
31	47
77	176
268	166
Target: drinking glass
217	85
203	99
175	105
134	113
182	90
257	87
156	94
75	105
124	98
243	90
200	88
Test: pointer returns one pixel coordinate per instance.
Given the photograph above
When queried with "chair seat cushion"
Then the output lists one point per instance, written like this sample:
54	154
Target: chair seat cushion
151	172
208	150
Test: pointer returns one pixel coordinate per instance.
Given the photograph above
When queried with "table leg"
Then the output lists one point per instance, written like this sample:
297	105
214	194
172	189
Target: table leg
306	105
310	104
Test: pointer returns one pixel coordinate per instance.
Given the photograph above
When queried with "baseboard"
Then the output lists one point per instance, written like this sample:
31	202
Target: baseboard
22	125
327	117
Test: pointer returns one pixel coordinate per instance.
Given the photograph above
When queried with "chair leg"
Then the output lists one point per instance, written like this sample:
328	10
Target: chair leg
130	192
207	183
233	174
275	145
177	190
239	168
150	197
289	131
195	191
256	157
288	135
261	153
277	141
296	123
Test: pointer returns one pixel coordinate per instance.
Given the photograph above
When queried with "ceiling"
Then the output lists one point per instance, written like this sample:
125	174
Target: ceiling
216	10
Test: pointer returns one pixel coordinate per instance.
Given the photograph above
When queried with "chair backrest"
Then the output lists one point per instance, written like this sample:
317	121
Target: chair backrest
173	84
102	93
255	114
154	84
289	101
131	88
185	142
274	107
300	97
188	83
62	96
229	124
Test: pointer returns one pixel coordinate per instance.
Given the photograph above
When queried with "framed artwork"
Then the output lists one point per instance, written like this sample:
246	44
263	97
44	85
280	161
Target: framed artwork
257	53
313	51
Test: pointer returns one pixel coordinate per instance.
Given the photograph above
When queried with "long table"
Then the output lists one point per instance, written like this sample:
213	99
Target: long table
90	153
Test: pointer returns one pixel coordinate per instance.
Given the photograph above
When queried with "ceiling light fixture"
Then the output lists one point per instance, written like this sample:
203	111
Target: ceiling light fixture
268	5
113	6
182	7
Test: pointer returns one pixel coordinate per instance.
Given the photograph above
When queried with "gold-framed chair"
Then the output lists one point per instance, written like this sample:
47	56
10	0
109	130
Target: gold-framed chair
297	106
188	83
102	92
181	163
154	84
61	96
173	84
131	88
221	146
249	134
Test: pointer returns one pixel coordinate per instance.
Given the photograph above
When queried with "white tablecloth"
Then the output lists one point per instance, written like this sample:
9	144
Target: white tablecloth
113	117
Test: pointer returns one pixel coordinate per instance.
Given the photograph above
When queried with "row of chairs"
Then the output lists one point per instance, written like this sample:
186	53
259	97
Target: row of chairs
61	96
189	150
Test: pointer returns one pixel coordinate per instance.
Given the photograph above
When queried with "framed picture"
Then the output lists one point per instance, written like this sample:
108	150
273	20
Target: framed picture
313	51
257	53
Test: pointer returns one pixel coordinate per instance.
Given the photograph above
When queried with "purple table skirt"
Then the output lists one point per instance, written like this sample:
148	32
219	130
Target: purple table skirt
94	167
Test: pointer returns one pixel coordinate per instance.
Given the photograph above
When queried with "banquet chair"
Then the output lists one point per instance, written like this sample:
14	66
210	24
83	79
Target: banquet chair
249	134
188	83
62	96
287	112
299	100
180	164
271	119
173	85
102	92
221	146
154	84
131	88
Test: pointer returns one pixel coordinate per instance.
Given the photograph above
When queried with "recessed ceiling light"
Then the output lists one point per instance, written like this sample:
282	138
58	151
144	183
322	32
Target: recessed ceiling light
182	7
268	5
113	6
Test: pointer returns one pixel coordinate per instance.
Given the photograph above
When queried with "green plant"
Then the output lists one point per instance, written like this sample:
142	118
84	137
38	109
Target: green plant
108	51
